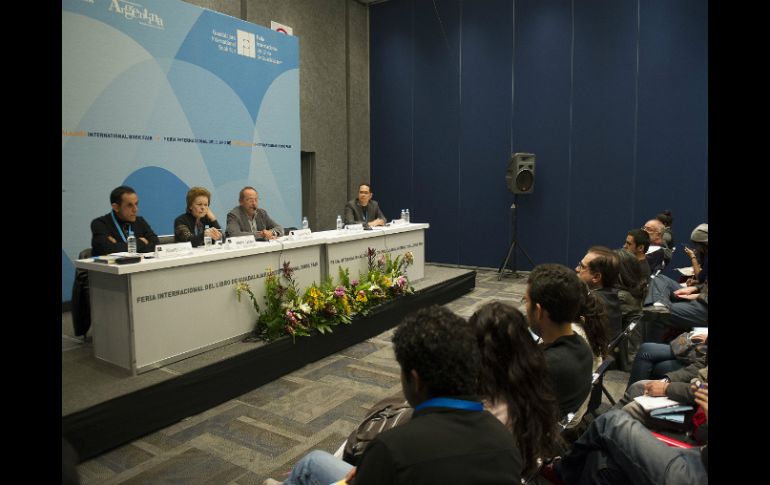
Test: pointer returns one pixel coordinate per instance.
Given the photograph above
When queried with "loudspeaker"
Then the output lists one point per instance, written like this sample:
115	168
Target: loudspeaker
520	176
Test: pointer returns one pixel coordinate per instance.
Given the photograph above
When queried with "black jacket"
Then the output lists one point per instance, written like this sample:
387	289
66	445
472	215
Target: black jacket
184	229
104	226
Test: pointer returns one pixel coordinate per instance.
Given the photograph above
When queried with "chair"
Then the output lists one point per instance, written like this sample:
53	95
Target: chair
81	299
597	383
532	478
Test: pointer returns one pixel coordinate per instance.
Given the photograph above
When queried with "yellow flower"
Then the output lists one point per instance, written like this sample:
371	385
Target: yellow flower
345	305
315	298
361	296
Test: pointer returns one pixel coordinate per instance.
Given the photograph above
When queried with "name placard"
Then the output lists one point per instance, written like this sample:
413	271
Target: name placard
240	242
173	250
354	227
300	234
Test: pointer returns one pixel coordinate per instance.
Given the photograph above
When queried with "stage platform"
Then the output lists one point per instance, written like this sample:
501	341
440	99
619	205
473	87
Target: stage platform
104	406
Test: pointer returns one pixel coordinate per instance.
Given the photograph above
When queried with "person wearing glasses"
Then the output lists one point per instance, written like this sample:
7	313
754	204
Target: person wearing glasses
248	218
658	255
678	307
364	210
599	269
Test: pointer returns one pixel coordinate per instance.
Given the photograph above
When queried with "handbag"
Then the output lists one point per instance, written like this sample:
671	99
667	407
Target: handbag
688	351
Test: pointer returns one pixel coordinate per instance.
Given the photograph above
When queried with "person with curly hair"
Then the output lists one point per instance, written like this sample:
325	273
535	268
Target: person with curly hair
450	439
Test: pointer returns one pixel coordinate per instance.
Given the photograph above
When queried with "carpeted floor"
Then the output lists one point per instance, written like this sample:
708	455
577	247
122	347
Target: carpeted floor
264	432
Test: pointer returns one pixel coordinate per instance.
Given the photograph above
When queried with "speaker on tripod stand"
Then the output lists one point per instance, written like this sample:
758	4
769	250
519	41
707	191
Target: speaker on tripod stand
520	179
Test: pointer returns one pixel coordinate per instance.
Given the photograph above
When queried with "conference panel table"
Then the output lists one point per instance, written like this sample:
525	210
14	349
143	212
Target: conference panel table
161	310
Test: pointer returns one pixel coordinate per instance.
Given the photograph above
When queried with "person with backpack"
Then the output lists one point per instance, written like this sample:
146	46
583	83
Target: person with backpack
450	439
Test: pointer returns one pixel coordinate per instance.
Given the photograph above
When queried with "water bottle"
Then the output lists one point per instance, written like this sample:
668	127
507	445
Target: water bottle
407	215
207	237
304	223
131	240
339	222
403	215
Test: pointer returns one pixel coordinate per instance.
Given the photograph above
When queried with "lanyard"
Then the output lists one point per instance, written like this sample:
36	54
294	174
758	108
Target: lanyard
445	402
117	226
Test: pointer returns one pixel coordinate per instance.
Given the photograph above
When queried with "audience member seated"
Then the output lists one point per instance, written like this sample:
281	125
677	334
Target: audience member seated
632	288
637	243
109	232
514	381
599	270
699	257
450	438
676	307
592	326
364	210
192	225
554	297
248	218
667	219
617	449
675	385
655	360
658	254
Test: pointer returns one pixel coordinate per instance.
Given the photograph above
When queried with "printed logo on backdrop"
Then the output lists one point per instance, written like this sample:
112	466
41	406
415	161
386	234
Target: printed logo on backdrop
284	29
246	44
135	11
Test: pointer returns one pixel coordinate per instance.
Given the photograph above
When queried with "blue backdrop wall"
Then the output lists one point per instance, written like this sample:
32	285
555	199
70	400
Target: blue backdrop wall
611	96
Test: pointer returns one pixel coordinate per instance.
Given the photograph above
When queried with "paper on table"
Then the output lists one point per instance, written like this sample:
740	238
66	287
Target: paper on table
688	271
649	402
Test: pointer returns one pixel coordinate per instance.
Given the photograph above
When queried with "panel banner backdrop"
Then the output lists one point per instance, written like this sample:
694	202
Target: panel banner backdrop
162	95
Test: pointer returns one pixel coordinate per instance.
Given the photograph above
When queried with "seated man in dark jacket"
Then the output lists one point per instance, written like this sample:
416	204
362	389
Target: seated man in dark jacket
600	268
109	232
364	210
248	218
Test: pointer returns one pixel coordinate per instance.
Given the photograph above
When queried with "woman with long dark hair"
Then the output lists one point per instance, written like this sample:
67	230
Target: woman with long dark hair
514	382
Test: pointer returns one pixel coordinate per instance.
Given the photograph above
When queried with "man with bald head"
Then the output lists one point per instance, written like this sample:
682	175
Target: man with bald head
658	254
247	218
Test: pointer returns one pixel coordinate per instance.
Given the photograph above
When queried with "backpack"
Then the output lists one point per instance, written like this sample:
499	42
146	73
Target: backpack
386	414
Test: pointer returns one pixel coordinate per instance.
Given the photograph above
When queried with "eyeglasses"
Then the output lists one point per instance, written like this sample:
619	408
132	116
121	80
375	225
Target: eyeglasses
650	230
581	266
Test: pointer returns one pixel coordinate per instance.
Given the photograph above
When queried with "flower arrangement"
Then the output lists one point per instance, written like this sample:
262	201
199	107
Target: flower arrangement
321	306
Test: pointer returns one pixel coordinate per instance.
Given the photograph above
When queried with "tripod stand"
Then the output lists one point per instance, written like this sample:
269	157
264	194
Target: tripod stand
514	243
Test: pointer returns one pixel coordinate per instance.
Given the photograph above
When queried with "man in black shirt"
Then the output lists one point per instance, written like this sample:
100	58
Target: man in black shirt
554	297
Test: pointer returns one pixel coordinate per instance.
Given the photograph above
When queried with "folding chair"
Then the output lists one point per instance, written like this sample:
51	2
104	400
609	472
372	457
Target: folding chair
598	376
532	478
